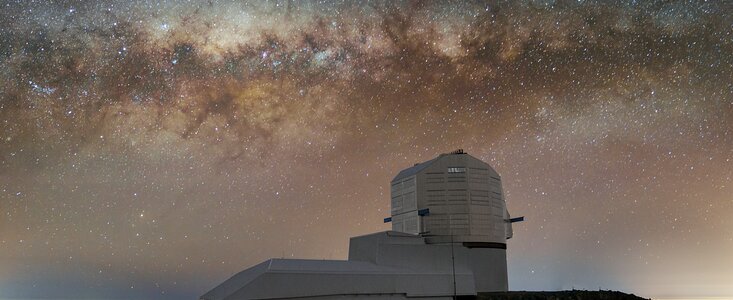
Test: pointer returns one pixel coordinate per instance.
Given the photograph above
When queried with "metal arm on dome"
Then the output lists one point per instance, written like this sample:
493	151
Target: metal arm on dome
514	220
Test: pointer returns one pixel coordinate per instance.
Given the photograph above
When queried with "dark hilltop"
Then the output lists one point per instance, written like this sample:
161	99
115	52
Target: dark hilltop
558	295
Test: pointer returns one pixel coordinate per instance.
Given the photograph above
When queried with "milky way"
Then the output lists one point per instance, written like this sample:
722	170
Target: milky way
153	149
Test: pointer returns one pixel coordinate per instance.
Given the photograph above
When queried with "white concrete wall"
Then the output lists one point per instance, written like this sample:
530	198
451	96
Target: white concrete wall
488	265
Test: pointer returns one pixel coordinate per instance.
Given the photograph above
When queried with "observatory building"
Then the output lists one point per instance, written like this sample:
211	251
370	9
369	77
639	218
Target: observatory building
449	230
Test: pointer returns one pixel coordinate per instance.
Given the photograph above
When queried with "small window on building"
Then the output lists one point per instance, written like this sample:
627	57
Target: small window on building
456	170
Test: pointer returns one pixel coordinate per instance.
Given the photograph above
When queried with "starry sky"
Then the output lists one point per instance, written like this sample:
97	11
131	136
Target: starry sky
151	150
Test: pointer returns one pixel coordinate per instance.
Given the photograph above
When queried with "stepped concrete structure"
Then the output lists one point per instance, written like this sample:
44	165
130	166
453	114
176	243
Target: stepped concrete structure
449	230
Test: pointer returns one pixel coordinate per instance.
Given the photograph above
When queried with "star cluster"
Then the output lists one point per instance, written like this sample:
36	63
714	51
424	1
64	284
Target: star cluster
151	149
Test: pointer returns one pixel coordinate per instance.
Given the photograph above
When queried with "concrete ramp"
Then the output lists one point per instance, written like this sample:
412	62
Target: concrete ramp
335	279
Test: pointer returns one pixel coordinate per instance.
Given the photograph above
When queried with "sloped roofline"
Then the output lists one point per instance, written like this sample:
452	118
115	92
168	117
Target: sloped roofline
421	166
414	169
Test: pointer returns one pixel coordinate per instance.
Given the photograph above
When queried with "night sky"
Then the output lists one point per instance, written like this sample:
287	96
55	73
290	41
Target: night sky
151	150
